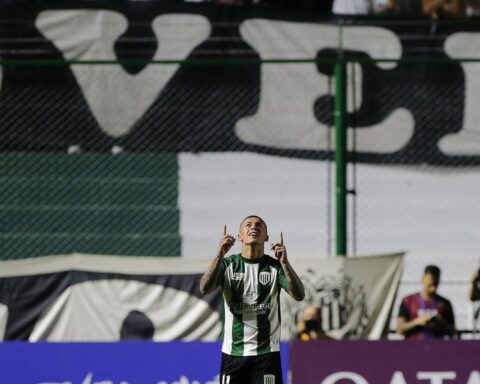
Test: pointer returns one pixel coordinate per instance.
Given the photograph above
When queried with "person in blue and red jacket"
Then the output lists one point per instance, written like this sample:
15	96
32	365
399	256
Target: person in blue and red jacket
425	314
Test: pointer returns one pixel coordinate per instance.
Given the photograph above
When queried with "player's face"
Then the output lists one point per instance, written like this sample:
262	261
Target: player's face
430	284
253	230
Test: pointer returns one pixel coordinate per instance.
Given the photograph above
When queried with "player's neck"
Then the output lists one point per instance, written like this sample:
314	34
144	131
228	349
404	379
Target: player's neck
252	251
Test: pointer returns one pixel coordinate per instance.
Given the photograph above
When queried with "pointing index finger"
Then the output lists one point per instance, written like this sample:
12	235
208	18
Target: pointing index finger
281	238
224	229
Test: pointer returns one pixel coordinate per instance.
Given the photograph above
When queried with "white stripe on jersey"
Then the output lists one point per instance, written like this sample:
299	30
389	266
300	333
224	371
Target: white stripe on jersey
250	296
273	315
228	316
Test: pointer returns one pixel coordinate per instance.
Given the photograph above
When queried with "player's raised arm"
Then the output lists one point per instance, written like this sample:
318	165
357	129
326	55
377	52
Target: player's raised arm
295	286
208	282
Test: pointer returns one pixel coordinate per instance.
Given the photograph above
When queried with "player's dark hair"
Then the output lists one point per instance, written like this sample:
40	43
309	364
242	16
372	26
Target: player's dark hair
257	217
432	270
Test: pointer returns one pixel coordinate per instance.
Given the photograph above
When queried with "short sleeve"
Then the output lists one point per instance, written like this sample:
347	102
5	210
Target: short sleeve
403	311
221	275
449	316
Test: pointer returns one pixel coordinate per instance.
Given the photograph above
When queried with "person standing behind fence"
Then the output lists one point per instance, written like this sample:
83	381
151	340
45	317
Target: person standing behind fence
360	7
474	296
444	9
251	282
426	315
309	324
474	288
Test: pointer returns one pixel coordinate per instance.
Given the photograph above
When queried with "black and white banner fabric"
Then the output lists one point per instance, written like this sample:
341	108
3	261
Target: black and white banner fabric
105	298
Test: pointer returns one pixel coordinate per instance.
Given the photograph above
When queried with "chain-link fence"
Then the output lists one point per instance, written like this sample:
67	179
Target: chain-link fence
143	143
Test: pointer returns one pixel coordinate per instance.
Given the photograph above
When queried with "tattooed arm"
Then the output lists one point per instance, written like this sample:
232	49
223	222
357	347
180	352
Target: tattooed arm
295	286
208	282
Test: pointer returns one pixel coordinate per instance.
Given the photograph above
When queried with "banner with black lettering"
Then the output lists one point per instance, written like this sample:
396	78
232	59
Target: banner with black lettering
121	76
82	297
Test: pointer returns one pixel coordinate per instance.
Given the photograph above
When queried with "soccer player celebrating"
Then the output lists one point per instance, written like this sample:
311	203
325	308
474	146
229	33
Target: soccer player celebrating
251	282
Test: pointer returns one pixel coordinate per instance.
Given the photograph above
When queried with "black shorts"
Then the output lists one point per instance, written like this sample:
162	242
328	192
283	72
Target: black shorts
261	369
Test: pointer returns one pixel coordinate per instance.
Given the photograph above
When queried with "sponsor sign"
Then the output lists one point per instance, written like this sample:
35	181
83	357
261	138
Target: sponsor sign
140	362
386	362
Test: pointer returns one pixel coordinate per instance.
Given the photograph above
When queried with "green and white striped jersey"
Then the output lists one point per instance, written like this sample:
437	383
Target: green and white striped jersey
251	305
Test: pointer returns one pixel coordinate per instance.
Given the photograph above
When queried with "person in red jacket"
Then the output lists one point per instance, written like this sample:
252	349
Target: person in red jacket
425	314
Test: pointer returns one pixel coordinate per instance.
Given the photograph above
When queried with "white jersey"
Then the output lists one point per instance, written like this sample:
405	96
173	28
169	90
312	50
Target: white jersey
251	305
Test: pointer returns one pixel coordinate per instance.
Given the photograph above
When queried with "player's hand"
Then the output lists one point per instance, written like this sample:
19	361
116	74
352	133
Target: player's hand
226	242
280	250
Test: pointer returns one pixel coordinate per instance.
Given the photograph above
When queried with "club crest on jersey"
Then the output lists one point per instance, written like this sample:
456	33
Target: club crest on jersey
268	379
264	278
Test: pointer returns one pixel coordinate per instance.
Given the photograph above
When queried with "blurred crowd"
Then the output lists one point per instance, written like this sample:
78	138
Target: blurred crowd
436	9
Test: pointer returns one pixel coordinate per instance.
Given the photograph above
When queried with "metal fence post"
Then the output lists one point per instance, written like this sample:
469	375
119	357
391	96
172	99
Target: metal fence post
340	153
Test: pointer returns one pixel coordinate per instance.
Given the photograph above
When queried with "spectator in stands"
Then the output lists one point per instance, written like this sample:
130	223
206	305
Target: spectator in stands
474	288
426	314
309	324
440	9
360	7
435	9
473	8
411	9
251	282
474	296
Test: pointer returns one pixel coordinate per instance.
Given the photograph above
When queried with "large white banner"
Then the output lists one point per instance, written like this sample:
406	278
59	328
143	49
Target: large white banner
355	294
107	298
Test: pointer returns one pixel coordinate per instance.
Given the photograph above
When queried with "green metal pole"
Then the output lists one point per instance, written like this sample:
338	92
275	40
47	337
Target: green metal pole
340	156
